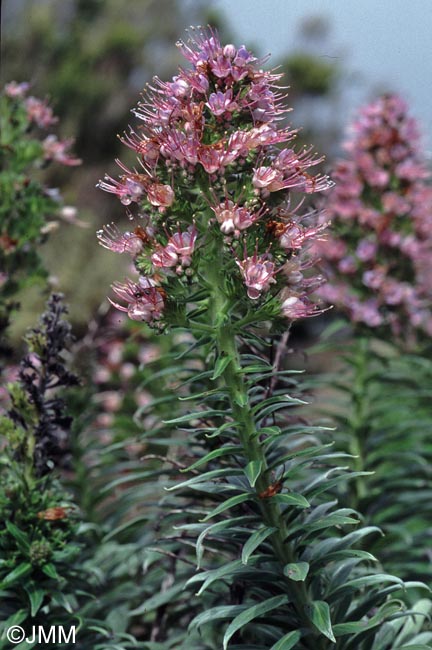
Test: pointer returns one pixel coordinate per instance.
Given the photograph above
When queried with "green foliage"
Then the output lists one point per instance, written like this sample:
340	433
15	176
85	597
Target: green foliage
383	417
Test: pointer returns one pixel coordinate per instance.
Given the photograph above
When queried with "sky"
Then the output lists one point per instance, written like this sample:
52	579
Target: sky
386	42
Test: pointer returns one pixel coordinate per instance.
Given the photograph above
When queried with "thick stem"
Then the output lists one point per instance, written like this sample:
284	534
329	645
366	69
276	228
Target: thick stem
235	385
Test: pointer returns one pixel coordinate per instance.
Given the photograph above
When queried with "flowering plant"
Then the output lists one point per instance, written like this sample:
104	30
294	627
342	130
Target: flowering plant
223	251
378	258
379	251
29	209
211	184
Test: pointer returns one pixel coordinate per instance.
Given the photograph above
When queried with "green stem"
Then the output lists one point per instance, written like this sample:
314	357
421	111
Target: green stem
234	381
358	422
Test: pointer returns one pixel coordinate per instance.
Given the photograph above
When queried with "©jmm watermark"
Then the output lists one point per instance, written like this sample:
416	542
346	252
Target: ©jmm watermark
40	634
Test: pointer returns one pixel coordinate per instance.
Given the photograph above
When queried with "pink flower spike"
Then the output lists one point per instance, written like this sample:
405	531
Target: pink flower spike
258	273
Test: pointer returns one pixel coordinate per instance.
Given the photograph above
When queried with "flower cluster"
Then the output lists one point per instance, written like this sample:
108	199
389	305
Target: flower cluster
40	114
29	210
380	249
215	164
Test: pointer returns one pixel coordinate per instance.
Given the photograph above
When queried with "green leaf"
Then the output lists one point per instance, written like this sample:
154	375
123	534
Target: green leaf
241	399
209	577
415	646
197	415
19	572
254	541
158	599
215	528
251	613
288	641
357	583
212	474
50	571
215	613
220	366
226	505
253	470
216	453
296	571
318	613
20	536
36	596
293	499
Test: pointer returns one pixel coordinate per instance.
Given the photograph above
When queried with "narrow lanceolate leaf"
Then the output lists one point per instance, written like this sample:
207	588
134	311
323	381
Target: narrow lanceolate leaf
212	530
230	569
216	453
318	613
252	471
296	571
36	597
50	571
254	541
220	366
226	505
158	600
197	415
216	613
19	572
251	613
292	499
208	476
20	536
288	641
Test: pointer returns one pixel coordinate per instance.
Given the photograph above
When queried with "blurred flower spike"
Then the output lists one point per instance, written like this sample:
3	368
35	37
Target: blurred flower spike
379	253
214	185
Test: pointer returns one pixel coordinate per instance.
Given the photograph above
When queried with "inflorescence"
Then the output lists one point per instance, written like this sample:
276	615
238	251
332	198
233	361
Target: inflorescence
214	154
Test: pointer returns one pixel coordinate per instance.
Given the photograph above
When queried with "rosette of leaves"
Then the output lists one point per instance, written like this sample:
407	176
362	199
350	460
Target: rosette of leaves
222	254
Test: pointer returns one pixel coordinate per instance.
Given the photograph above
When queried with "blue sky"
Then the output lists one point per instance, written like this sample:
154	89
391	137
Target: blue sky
388	42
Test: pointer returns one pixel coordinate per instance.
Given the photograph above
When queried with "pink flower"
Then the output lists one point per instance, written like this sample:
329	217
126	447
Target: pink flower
14	89
111	238
258	274
234	218
220	103
295	307
268	178
180	246
39	112
127	189
164	257
144	300
183	244
55	149
160	195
